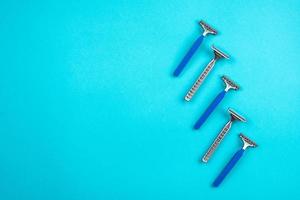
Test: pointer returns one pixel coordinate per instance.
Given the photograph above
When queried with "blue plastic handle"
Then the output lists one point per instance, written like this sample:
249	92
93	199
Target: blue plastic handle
188	56
228	167
210	109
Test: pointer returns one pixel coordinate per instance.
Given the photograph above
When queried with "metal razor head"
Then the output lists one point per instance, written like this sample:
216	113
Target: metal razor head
235	116
229	84
247	142
207	29
219	54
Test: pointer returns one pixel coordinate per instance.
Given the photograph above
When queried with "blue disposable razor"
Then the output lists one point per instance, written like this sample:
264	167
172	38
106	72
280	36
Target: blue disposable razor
207	30
229	84
247	143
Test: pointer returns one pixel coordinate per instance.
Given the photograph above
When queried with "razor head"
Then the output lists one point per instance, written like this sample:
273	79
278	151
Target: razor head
229	84
247	142
219	54
235	116
207	29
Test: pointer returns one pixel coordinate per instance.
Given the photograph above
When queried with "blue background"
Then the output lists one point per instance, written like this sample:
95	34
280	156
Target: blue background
90	110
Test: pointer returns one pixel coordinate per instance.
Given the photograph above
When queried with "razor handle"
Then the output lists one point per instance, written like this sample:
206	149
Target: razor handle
217	141
188	56
228	167
200	80
210	109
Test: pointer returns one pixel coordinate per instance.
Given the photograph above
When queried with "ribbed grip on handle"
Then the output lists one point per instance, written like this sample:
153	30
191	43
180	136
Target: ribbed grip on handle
200	80
228	167
209	110
188	56
216	142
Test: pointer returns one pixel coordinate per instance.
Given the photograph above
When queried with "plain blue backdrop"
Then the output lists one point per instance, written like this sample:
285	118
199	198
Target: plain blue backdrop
89	108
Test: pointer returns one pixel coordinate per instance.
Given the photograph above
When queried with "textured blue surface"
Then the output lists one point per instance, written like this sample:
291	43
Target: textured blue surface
212	106
90	109
188	55
228	167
